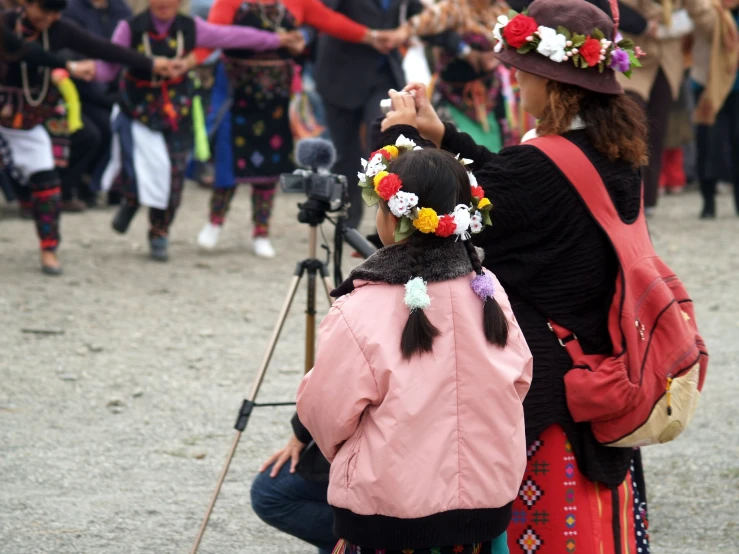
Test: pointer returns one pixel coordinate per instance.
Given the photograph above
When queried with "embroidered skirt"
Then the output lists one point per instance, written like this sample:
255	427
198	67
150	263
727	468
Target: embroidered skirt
558	511
260	132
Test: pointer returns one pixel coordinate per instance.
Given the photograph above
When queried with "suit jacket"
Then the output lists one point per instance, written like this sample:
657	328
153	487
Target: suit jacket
345	73
665	54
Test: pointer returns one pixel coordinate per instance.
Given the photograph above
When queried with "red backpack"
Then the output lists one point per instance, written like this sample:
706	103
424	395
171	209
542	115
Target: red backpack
647	391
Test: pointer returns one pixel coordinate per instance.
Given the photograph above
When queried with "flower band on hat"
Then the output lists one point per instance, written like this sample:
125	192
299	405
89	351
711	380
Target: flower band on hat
523	34
378	184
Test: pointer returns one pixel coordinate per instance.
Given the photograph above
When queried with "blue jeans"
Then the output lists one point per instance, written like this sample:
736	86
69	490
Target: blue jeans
295	506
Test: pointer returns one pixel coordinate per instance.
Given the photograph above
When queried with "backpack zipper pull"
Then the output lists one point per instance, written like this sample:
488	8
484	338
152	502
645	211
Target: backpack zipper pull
669	394
640	328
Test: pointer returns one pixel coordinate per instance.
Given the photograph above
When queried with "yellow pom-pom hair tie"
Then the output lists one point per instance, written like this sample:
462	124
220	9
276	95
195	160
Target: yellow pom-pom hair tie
66	87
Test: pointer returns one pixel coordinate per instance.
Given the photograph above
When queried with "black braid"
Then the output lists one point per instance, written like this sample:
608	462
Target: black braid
419	333
494	320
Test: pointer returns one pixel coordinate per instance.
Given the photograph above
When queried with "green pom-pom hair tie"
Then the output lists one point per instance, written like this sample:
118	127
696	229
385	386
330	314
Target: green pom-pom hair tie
416	294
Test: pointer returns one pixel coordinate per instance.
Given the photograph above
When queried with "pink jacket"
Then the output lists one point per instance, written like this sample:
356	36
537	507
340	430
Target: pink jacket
438	433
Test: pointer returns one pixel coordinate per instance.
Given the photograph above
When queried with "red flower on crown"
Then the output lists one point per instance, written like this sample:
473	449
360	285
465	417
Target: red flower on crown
518	29
446	226
478	193
590	51
389	186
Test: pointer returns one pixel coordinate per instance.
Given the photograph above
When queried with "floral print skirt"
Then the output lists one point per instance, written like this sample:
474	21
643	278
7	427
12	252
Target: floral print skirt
260	121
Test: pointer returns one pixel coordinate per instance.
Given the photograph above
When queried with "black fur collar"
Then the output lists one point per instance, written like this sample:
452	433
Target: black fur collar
443	260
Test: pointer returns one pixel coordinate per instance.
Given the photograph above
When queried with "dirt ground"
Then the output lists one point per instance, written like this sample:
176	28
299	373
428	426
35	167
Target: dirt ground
121	380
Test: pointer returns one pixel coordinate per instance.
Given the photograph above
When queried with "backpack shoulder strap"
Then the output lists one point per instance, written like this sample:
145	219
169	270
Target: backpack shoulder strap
583	176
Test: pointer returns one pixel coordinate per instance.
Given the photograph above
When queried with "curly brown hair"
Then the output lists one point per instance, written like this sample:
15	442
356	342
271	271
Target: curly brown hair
614	123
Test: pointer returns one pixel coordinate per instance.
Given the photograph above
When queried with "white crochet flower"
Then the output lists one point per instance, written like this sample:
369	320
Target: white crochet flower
476	223
362	177
364	164
404	142
465	161
473	179
497	35
461	217
552	44
402	203
375	165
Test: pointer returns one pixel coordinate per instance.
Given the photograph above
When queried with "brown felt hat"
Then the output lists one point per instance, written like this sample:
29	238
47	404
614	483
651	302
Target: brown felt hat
577	16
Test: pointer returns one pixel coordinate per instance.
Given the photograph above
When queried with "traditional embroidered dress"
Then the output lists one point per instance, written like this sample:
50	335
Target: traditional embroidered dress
153	124
255	144
28	103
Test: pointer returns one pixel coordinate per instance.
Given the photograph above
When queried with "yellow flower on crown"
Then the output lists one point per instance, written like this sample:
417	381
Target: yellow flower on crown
379	177
392	150
427	220
482	203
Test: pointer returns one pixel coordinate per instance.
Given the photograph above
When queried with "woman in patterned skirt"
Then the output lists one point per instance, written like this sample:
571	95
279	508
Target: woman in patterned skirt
556	264
255	144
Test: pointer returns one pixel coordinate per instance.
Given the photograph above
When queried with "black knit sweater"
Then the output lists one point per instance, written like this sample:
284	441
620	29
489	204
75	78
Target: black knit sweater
554	263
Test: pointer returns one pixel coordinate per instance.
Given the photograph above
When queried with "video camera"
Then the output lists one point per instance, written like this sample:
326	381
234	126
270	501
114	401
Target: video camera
326	192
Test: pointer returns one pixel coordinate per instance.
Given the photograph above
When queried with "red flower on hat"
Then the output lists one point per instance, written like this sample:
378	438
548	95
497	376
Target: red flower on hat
446	226
478	193
385	154
591	51
518	29
389	186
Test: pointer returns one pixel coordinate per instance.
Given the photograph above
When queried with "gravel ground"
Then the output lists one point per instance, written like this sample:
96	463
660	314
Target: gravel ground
114	429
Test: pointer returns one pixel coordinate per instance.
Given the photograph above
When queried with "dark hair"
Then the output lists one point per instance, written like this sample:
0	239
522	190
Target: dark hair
50	5
614	123
441	183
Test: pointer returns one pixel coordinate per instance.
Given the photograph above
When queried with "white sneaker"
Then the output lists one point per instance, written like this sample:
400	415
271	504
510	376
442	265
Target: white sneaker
263	248
208	237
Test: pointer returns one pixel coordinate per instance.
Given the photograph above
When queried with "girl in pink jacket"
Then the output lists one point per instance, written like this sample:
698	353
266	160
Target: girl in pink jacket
416	396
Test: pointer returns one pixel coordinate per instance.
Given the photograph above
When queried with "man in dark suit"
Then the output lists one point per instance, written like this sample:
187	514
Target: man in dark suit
352	79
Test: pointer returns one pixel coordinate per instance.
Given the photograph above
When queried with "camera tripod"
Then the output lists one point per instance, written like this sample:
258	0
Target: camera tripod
312	267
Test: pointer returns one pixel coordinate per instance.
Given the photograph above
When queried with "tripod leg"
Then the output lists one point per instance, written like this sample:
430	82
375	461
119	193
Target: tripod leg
329	286
246	407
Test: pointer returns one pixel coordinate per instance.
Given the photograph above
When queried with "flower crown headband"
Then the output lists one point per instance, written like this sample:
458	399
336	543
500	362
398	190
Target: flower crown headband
378	184
524	34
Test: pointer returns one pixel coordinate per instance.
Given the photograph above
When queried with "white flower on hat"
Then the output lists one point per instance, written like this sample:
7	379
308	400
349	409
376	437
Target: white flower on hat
375	165
465	161
402	203
364	164
461	217
362	177
476	223
552	44
404	142
497	35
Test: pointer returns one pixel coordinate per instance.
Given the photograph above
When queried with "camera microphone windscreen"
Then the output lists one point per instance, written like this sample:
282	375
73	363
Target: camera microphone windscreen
315	154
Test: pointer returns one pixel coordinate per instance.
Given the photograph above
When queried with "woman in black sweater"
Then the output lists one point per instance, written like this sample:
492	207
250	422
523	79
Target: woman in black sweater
557	264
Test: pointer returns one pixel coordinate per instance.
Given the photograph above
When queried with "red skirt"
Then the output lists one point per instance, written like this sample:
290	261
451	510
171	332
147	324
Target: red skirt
559	511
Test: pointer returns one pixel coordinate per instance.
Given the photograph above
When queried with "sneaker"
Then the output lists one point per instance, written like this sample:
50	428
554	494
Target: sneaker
123	217
208	237
159	248
263	248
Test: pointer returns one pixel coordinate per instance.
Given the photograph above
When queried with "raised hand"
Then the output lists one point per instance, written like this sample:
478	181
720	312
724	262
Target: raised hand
83	70
428	123
162	67
179	66
387	41
293	41
403	112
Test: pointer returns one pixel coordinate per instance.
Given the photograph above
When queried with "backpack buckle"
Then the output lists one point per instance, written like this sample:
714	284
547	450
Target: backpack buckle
564	340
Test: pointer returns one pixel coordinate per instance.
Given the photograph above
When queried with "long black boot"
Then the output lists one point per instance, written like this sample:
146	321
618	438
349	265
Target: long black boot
125	215
708	191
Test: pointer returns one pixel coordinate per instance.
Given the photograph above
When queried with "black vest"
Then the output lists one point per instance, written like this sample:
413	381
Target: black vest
160	105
